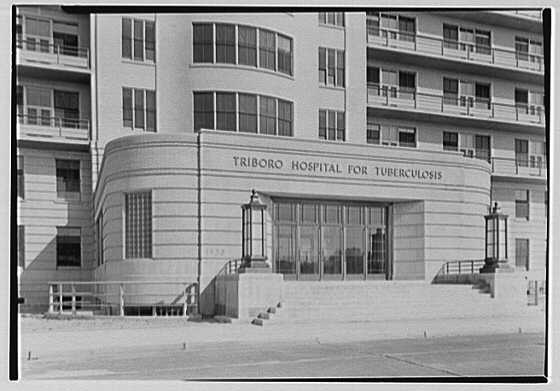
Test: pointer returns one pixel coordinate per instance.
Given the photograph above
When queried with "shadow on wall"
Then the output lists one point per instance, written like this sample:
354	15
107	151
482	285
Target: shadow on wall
33	279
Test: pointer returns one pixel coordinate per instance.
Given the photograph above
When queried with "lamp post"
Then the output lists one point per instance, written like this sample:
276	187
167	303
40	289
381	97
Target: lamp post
496	242
254	236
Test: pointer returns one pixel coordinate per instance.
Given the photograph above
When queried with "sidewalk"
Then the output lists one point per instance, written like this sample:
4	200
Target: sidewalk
51	339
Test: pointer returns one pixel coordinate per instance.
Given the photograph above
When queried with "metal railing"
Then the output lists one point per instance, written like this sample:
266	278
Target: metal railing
45	51
456	49
47	126
409	98
231	267
124	297
461	267
520	166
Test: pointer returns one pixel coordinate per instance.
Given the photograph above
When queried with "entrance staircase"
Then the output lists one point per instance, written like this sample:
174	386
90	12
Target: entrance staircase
363	301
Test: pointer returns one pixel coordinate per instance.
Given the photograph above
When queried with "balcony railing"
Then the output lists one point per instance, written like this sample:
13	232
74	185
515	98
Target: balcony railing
52	127
43	50
410	99
533	166
455	49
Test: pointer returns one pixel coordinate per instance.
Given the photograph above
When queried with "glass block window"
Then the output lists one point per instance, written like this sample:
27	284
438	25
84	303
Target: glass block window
68	247
138	224
67	178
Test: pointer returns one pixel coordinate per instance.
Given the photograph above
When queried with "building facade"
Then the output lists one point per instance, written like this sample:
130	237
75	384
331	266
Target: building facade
378	142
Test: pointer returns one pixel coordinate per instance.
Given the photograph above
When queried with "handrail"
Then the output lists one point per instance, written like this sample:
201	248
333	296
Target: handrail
471	266
410	98
230	267
53	122
45	46
457	49
101	296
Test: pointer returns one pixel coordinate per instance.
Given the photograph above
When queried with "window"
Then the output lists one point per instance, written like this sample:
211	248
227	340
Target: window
522	152
332	125
407	137
527	49
67	108
450	91
466	145
38	34
284	54
267	49
389	81
203	40
285	118
331	67
522	204
247	45
225	111
537	154
139	109
482	95
274	51
450	36
389	135
38	105
65	38
248	113
68	247
407	29
203	110
21	246
268	115
522	253
373	133
372	77
407	85
482	147
225	43
482	40
332	18
67	178
20	178
138	224
138	39
450	141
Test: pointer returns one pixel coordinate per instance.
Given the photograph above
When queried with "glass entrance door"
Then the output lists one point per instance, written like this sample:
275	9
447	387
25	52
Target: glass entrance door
330	240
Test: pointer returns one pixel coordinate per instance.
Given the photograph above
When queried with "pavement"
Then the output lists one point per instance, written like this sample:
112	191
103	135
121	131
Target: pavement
424	358
52	341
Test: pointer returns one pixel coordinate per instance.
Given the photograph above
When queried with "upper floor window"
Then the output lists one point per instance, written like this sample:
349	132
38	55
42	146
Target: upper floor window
20	178
139	108
68	247
392	83
450	141
138	224
467	39
391	26
466	93
331	67
528	49
332	18
332	125
68	178
255	46
48	107
530	153
49	36
138	39
243	112
475	146
529	102
522	204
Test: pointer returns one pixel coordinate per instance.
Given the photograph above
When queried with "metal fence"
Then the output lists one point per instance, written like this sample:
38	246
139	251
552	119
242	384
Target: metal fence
155	298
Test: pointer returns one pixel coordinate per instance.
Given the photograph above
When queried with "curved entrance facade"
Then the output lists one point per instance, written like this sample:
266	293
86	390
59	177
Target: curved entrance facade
327	240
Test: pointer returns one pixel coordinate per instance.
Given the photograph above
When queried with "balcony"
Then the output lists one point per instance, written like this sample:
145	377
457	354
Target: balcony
40	52
44	128
455	51
535	168
471	108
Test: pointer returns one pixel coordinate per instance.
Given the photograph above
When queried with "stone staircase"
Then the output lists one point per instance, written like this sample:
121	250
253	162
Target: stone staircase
362	301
